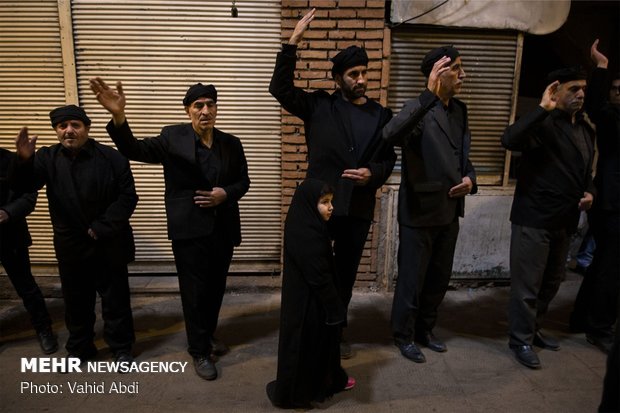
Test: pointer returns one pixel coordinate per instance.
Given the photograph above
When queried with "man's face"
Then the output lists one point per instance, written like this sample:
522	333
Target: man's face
614	92
452	80
202	112
353	82
569	96
72	134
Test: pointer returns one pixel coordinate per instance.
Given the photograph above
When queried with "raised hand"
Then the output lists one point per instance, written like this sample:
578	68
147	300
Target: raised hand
24	144
597	57
359	176
112	100
301	27
548	101
440	67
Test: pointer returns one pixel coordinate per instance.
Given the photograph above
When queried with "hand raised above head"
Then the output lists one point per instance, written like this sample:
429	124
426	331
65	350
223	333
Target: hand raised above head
112	100
597	57
24	144
440	67
301	27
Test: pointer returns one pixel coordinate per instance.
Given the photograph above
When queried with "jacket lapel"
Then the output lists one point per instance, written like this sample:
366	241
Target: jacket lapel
441	118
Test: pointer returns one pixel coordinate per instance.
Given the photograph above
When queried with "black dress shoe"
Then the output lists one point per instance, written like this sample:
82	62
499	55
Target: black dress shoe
526	356
218	348
412	352
205	368
429	340
47	341
602	343
544	341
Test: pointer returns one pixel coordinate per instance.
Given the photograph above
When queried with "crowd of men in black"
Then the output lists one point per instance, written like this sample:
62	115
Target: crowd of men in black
350	139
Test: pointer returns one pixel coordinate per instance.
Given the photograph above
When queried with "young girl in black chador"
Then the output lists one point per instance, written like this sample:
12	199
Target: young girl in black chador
311	313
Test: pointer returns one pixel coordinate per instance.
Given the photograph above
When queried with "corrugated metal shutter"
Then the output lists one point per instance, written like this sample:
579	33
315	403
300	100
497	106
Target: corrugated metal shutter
158	49
489	63
31	84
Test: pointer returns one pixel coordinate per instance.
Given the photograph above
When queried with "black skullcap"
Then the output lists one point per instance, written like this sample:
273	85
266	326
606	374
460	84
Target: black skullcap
347	58
199	91
69	112
566	74
434	55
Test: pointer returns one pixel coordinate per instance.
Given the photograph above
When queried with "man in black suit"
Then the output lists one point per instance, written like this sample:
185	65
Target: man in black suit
206	174
91	196
345	149
437	175
14	242
554	182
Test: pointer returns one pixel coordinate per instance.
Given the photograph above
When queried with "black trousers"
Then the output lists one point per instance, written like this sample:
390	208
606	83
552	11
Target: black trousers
202	266
81	281
16	262
349	235
425	257
596	305
537	268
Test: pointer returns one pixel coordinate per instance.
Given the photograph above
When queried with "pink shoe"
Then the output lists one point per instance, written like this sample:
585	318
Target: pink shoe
350	384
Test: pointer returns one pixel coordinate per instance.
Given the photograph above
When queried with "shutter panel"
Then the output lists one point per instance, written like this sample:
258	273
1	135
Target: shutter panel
489	63
158	49
31	84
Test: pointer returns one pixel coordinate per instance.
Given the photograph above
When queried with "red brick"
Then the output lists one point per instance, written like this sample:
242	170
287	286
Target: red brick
315	34
294	157
294	3
374	54
301	83
371	13
327	85
351	3
374	24
350	24
342	13
342	34
327	24
370	4
322	64
313	74
346	43
313	54
325	44
289	23
370	34
293	174
373	44
323	3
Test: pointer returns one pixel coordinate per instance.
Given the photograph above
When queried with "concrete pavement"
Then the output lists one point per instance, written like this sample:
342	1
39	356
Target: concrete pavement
477	374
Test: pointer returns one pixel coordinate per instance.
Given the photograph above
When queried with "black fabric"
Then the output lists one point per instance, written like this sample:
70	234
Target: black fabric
311	310
209	161
175	149
69	112
552	174
199	91
14	232
425	257
434	160
350	57
330	141
567	74
434	55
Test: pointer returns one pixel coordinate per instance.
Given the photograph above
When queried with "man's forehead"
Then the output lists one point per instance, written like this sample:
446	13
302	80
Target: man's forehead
573	83
359	68
78	121
203	100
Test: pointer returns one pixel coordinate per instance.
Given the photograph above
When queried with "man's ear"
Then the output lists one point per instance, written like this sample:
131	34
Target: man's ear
338	79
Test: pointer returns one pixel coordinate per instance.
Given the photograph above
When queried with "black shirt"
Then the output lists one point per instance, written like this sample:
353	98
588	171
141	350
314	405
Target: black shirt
209	160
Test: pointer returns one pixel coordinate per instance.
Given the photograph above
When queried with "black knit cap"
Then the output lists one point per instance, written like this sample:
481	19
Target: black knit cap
566	74
199	91
350	57
69	112
434	55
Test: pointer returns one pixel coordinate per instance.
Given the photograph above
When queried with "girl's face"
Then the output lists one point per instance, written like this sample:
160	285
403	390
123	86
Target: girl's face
325	206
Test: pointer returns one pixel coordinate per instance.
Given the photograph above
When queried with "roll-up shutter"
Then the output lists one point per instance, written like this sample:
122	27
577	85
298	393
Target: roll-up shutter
489	63
31	84
158	49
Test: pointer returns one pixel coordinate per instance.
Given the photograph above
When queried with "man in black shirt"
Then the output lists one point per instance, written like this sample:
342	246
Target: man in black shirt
91	196
437	175
345	149
206	174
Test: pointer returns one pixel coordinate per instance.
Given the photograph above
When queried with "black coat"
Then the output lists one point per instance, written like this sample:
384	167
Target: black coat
175	149
311	311
329	139
432	163
552	175
14	232
606	117
111	198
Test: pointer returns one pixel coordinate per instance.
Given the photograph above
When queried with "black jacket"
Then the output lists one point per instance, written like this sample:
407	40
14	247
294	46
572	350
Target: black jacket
175	149
432	161
553	175
606	117
110	196
329	139
14	232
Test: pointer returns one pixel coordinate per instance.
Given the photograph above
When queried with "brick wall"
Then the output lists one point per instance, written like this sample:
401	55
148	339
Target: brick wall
337	25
